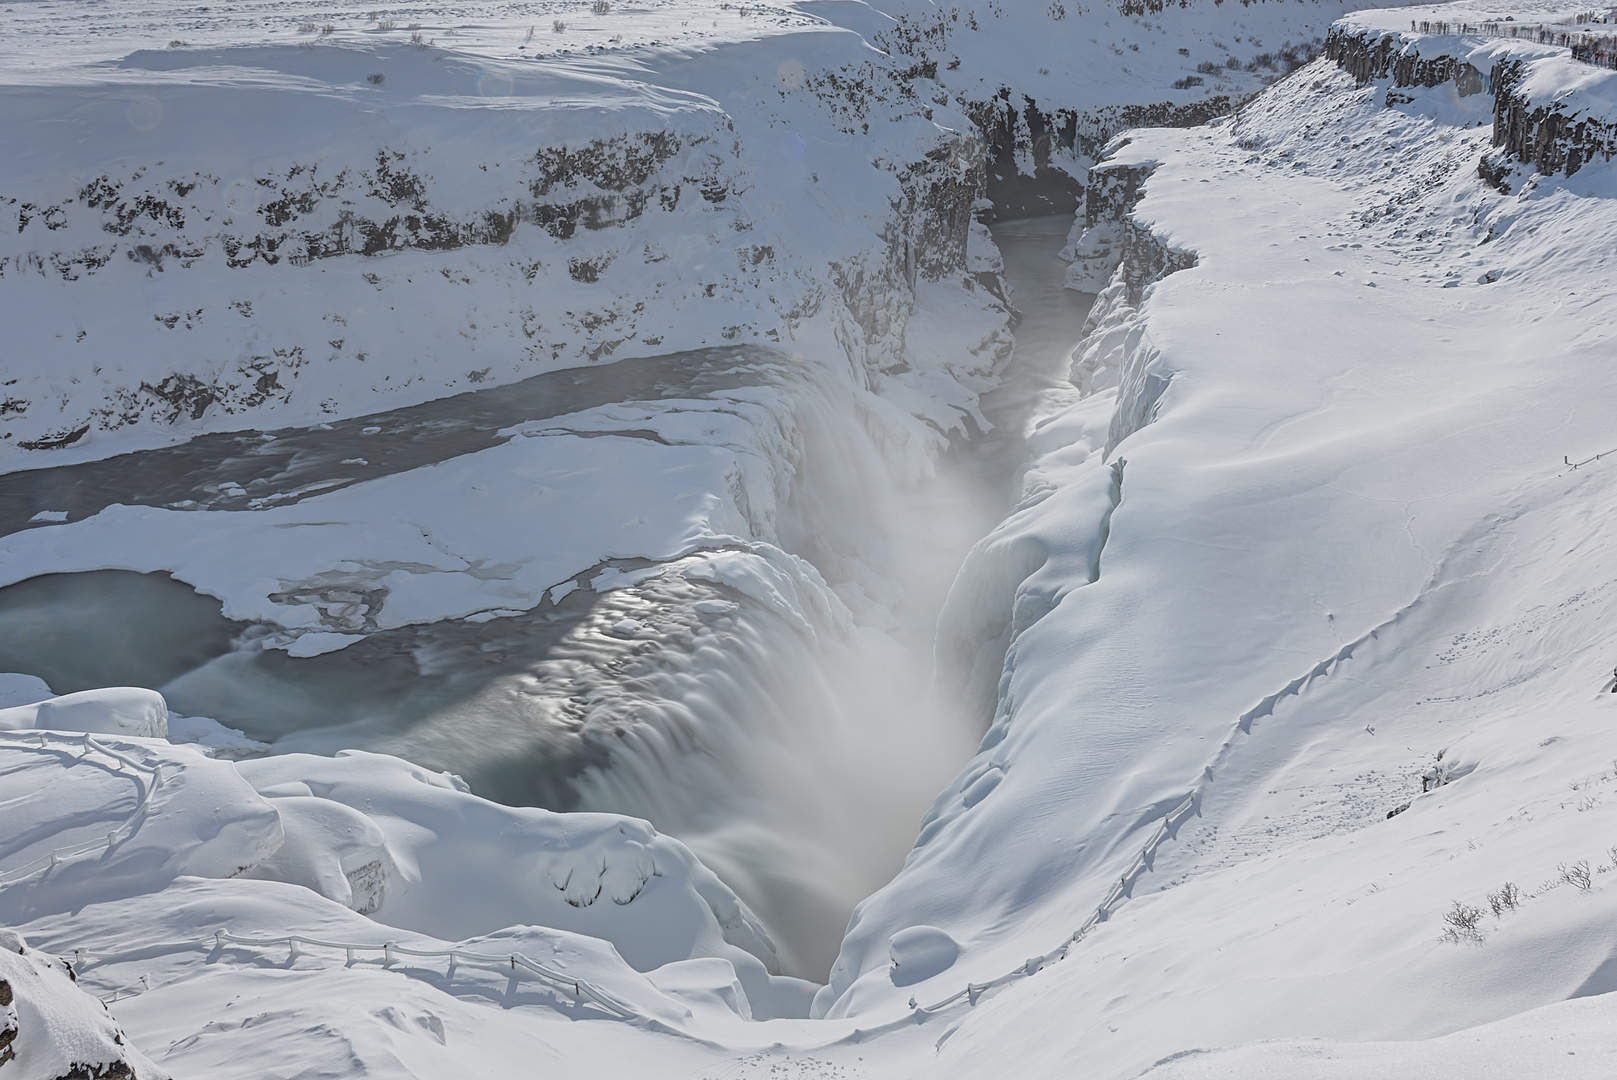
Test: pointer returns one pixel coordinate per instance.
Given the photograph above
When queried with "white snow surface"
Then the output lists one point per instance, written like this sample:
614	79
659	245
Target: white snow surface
414	851
1304	717
630	186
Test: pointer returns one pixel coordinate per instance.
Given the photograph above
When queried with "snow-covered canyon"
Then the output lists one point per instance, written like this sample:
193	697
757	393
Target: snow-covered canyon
599	505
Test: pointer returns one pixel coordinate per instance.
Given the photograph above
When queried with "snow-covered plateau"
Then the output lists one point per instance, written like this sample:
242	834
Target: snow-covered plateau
604	538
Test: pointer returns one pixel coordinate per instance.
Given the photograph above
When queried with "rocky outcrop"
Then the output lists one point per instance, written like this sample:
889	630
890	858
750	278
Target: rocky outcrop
300	213
1369	56
1113	249
1033	151
1037	149
1552	136
52	1029
1120	258
1545	135
1147	259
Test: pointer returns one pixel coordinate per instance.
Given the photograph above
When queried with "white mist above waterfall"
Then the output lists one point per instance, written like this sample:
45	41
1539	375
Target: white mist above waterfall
809	772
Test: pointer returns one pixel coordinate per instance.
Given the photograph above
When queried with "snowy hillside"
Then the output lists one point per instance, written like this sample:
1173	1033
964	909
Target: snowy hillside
183	222
579	501
1316	654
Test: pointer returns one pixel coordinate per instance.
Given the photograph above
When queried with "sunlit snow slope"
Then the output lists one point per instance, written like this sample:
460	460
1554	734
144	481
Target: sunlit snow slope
1300	760
1313	658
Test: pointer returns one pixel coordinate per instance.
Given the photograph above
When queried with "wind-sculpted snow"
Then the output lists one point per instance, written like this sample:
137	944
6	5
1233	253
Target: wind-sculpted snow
1290	651
413	850
1300	622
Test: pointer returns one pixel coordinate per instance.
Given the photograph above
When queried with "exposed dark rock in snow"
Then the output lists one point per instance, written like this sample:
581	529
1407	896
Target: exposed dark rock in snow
53	1030
1552	136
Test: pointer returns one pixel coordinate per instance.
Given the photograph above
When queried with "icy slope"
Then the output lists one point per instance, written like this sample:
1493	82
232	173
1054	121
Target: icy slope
1339	662
383	838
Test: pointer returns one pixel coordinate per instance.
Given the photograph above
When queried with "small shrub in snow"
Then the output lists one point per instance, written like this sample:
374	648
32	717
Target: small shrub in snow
1058	11
1187	82
1460	923
1208	67
1577	875
557	26
307	28
376	78
1508	898
328	28
601	7
387	24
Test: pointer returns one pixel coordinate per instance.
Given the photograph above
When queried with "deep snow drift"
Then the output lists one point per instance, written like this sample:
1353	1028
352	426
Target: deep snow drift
1291	646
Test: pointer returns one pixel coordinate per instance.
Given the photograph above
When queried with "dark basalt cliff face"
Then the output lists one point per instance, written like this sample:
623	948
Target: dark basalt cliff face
1368	56
300	215
1020	137
1037	151
1543	135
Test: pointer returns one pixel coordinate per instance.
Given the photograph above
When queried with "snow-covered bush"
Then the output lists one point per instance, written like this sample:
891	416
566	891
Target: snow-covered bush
1576	875
1462	923
1507	898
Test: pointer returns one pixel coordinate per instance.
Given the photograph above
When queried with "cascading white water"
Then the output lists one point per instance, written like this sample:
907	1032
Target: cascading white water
773	706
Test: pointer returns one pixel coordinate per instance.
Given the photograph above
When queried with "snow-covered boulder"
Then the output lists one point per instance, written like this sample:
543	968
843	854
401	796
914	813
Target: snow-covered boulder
52	1030
920	952
112	710
18	689
330	848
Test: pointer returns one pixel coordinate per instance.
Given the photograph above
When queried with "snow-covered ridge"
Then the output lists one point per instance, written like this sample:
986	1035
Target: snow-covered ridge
405	221
1551	111
383	838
